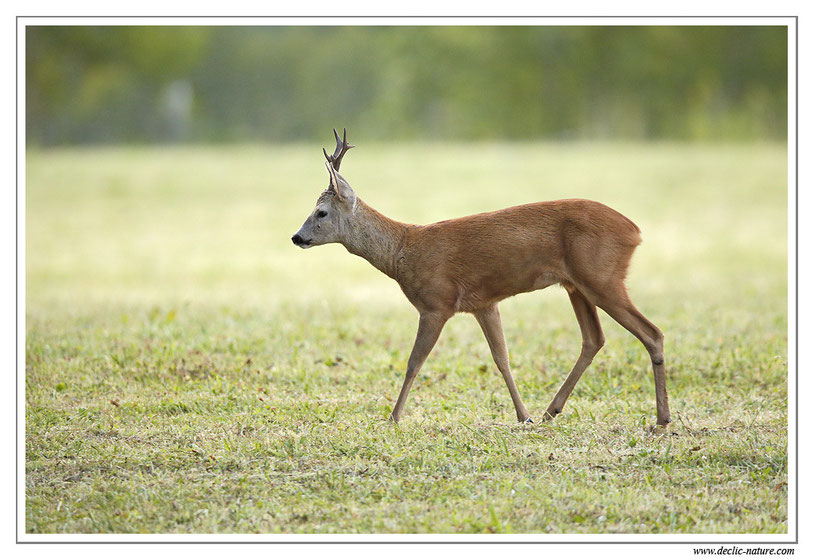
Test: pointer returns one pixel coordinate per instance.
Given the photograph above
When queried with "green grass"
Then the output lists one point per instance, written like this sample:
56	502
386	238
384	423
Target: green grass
188	370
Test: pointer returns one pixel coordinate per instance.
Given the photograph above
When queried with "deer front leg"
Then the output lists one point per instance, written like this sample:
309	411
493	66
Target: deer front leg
489	320
429	328
592	341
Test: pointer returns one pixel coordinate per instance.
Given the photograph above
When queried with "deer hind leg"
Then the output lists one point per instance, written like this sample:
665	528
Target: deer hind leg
489	321
617	304
592	342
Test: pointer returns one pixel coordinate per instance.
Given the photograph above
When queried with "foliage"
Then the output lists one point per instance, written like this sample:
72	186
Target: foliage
98	84
188	370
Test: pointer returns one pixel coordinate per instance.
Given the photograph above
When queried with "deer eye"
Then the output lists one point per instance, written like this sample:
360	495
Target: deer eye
321	214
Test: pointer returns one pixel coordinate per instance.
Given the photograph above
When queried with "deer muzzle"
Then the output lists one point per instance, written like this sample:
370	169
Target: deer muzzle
299	241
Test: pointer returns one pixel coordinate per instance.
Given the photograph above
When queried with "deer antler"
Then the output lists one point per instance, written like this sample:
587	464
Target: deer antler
342	147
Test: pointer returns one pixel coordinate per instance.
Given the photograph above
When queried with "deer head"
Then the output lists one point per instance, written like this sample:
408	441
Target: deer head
335	206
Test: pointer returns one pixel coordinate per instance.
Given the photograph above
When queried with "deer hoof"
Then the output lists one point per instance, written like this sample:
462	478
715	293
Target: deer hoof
528	421
661	429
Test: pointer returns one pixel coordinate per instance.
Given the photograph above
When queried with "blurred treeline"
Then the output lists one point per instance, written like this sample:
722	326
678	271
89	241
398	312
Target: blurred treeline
218	84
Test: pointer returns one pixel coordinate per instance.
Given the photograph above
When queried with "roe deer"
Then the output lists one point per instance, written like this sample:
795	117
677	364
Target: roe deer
470	264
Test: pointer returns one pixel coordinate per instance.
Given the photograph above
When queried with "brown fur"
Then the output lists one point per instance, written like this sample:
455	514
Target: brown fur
470	264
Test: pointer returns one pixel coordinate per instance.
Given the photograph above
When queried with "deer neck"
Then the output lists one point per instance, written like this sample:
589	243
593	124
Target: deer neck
374	237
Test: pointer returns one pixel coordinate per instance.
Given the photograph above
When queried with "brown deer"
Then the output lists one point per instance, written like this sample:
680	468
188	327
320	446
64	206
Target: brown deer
470	264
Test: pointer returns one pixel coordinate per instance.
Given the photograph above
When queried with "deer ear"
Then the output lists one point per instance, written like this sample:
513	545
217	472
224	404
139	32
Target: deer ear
344	192
339	186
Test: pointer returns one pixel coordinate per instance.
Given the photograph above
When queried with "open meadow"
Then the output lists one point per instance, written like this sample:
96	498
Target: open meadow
189	370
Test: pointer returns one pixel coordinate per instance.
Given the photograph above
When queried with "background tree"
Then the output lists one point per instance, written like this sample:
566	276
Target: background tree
217	84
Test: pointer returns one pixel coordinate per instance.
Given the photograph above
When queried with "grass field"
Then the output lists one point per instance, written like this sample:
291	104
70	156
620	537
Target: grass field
188	370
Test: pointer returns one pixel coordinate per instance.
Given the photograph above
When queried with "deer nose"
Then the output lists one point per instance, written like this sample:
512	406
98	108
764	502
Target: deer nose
296	239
